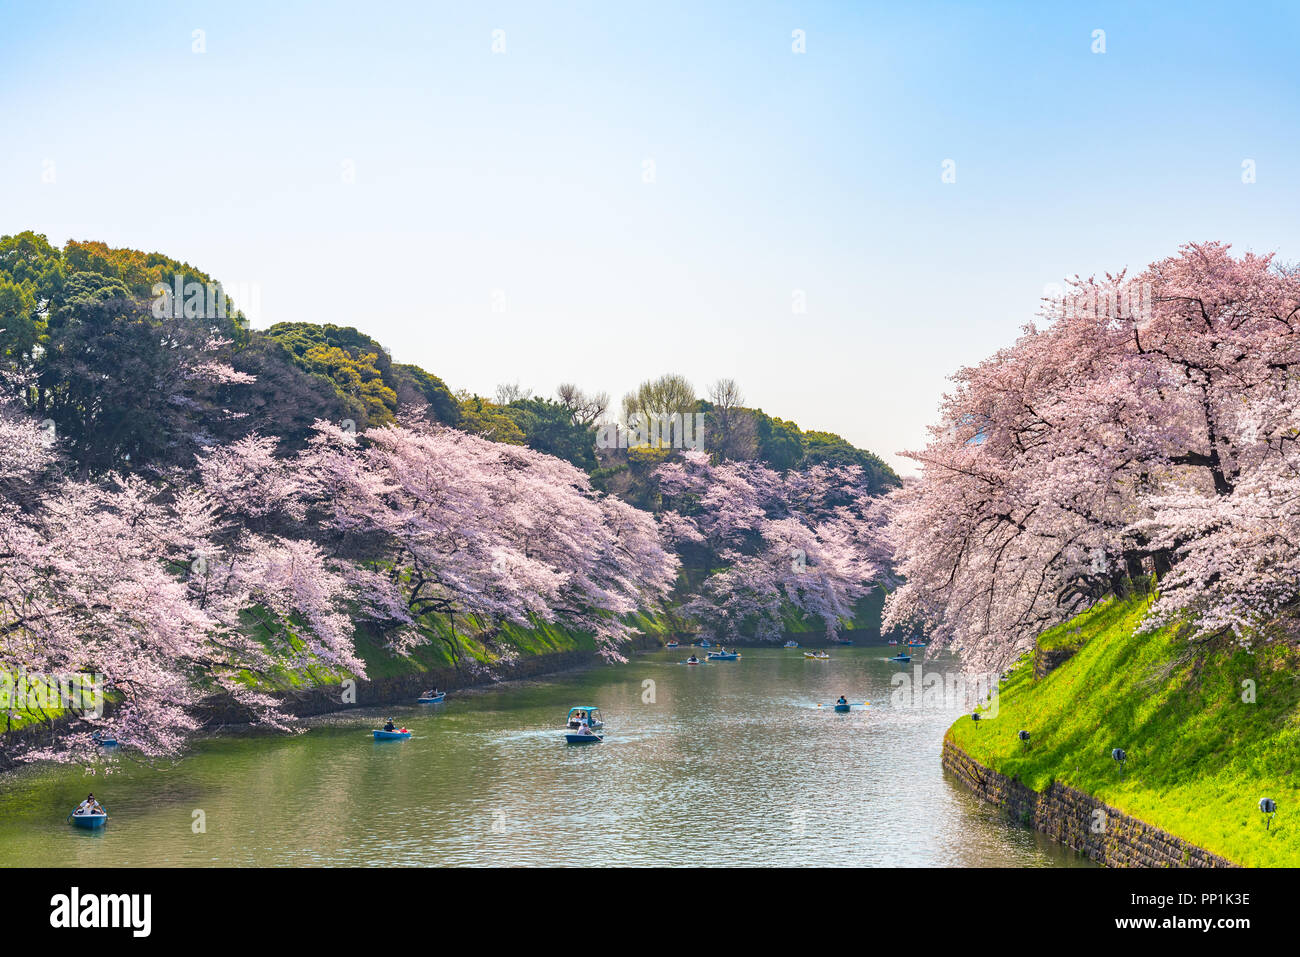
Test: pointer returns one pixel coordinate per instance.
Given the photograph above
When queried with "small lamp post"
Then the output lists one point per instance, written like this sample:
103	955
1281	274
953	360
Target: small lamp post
975	716
1268	807
1120	757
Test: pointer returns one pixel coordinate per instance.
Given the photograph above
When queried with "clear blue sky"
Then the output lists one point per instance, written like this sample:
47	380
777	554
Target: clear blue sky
521	174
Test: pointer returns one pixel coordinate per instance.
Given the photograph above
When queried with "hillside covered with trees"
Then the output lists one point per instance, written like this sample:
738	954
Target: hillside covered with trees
193	508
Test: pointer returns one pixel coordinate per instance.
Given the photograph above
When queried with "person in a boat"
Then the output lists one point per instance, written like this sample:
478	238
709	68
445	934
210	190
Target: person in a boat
693	660
389	726
89	806
430	694
842	700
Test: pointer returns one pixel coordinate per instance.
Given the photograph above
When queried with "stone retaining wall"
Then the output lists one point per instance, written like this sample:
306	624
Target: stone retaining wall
1070	816
1047	661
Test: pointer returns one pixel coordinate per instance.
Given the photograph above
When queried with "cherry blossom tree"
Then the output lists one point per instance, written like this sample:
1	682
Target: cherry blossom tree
1068	464
441	522
151	587
804	541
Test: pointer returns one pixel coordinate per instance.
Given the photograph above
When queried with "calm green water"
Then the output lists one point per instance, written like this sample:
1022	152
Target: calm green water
731	763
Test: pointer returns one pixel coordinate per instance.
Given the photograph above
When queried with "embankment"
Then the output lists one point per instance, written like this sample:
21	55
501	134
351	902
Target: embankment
404	688
1208	728
1078	820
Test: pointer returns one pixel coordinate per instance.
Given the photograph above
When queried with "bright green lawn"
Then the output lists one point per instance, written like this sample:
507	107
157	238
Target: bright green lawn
1199	757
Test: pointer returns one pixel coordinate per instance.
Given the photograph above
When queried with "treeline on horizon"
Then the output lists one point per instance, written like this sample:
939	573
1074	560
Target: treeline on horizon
82	325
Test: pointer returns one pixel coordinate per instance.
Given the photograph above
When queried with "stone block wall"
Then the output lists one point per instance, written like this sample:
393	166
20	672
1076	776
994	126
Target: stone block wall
1069	816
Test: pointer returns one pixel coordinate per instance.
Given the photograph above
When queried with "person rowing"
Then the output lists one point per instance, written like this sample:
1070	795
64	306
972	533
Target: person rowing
692	660
89	806
843	700
389	726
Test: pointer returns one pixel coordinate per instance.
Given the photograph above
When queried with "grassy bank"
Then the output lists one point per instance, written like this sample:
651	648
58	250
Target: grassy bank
864	625
541	638
1201	753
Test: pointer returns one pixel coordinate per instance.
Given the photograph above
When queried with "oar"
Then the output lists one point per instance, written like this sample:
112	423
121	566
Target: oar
851	704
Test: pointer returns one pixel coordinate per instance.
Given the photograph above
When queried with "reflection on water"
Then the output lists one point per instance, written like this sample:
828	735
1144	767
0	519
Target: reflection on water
725	763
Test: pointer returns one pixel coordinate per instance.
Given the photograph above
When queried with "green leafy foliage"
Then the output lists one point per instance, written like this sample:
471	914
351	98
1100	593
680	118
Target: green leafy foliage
549	427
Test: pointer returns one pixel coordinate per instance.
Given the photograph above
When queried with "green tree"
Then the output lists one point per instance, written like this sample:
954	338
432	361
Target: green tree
482	417
548	426
414	386
780	443
827	448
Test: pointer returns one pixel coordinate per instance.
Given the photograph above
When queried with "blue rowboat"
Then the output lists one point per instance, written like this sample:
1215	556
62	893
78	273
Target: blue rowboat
705	644
842	708
392	735
722	656
583	738
672	644
791	644
88	820
901	658
436	699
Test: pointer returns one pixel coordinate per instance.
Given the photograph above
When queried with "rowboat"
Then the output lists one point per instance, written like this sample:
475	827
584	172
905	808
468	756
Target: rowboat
88	820
791	644
440	697
817	656
916	644
583	738
722	656
104	740
842	709
901	658
672	644
692	660
893	641
705	644
400	735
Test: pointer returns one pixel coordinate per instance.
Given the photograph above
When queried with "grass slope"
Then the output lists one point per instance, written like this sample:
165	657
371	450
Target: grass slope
1199	756
541	638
